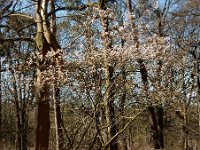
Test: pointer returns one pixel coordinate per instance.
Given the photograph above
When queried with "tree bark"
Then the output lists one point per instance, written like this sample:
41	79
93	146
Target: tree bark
45	42
18	141
122	108
156	116
109	82
43	121
0	104
41	86
56	93
156	113
58	119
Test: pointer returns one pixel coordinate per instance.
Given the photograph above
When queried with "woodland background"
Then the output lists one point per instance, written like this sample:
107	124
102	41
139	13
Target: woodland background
99	74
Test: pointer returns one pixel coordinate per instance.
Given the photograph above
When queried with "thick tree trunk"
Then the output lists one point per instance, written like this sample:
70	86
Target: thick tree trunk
41	86
45	42
42	98
43	121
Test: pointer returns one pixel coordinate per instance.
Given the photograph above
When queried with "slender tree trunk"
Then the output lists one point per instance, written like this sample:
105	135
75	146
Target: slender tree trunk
24	119
57	110
18	136
109	82
198	92
185	131
122	123
0	104
132	20
18	142
112	119
122	108
160	114
156	113
109	109
156	117
58	119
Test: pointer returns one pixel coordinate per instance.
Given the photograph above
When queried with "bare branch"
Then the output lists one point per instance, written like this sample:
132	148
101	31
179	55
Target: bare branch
23	15
122	130
17	39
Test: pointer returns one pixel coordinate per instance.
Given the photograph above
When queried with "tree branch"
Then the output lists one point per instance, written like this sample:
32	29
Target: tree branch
118	133
70	8
17	39
23	15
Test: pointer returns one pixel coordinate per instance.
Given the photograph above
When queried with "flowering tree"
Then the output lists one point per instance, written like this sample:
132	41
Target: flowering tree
102	74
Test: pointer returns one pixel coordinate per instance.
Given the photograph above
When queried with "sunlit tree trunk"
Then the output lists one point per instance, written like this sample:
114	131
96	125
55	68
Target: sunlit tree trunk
58	119
46	42
56	90
41	86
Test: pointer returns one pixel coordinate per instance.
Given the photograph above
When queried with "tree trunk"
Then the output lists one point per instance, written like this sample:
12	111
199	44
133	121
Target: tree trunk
0	104
109	108
18	141
18	136
124	145
122	108
42	98
45	42
109	82
43	121
133	25
185	131
24	119
41	85
58	120
24	131
160	114
57	110
156	117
